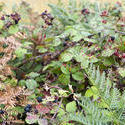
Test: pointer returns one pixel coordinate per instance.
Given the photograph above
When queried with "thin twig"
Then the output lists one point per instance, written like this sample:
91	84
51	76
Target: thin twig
33	58
123	33
52	55
57	109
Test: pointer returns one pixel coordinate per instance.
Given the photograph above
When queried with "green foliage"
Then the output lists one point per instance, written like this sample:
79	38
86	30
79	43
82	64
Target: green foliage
31	84
65	57
71	106
64	79
108	105
13	29
32	75
1	24
66	64
20	52
122	71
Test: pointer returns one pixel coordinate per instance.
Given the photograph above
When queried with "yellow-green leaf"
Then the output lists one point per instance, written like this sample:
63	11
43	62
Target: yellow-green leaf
13	29
1	24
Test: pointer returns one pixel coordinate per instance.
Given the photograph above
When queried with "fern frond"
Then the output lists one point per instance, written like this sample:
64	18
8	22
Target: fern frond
92	115
109	109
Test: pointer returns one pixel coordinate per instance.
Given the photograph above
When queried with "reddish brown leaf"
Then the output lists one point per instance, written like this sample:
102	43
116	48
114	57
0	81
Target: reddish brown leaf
42	109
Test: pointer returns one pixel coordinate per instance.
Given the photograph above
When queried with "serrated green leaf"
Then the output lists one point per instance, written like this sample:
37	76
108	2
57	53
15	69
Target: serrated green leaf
89	93
77	38
90	40
108	52
56	41
75	69
33	75
103	104
41	49
78	76
71	107
61	112
63	93
85	63
64	70
53	64
85	34
64	79
50	39
122	71
93	91
108	61
31	84
22	83
20	52
66	57
93	59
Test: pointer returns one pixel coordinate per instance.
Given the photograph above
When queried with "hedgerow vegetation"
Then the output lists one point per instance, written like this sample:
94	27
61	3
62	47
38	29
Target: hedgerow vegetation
63	67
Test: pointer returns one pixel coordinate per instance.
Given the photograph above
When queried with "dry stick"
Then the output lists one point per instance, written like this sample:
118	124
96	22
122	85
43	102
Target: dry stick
56	54
34	54
16	122
57	108
123	33
33	58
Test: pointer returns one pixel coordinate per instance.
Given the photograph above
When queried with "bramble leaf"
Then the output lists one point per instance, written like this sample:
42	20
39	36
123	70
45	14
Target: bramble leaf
13	29
122	71
31	84
71	107
78	76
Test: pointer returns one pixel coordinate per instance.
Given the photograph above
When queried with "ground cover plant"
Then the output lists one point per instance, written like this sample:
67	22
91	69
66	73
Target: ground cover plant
63	67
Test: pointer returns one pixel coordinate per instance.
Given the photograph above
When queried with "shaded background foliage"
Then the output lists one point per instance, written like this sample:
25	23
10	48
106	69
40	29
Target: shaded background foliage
42	4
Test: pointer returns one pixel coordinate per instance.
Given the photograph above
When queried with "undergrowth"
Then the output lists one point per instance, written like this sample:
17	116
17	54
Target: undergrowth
63	67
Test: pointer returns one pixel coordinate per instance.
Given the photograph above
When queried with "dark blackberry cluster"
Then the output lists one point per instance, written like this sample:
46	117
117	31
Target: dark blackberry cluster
99	34
39	99
85	11
28	108
2	18
112	38
8	24
64	44
14	16
55	101
47	17
67	39
1	112
104	13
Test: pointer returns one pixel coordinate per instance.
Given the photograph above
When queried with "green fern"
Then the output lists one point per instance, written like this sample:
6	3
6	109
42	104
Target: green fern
107	109
91	114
